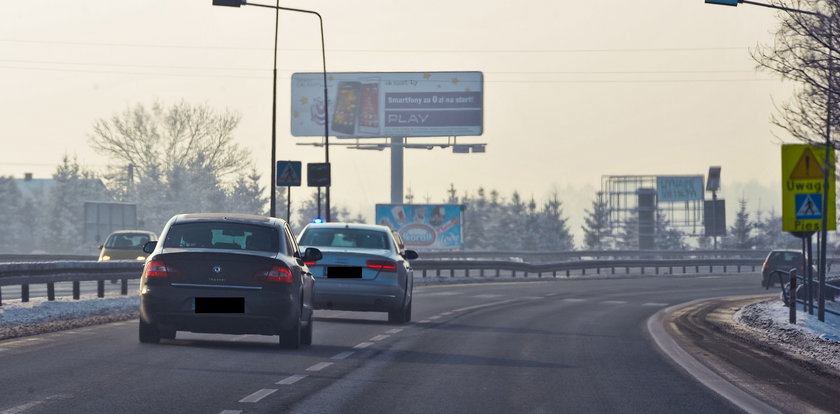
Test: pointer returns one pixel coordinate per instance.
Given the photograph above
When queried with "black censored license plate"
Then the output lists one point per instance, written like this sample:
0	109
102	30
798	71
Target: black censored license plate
344	272
219	305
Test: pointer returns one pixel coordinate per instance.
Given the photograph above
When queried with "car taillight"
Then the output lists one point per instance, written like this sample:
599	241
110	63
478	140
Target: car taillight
309	263
382	265
276	274
157	268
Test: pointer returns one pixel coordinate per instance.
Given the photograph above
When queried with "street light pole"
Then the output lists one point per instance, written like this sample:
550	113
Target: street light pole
277	8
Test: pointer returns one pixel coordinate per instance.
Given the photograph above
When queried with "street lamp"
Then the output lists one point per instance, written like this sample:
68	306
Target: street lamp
828	146
277	8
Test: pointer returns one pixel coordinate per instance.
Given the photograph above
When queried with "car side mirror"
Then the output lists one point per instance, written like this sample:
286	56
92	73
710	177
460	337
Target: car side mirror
410	255
101	246
312	255
149	247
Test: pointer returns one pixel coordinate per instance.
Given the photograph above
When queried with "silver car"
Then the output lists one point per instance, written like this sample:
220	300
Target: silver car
363	268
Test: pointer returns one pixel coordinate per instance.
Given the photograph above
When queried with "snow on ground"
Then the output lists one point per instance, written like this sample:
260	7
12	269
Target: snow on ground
810	338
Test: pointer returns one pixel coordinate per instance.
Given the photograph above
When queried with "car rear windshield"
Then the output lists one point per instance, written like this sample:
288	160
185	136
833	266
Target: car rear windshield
786	257
223	235
127	241
345	237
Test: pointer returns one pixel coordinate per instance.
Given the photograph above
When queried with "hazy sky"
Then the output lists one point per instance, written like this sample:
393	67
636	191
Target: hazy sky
573	90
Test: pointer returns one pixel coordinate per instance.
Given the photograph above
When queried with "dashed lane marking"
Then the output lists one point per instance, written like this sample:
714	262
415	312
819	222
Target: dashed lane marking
319	366
424	321
442	294
378	338
614	302
231	412
290	380
257	396
654	304
432	318
574	300
363	345
24	407
395	330
487	296
343	355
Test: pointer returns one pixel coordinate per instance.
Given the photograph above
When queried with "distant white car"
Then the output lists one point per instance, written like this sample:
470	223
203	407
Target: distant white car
363	268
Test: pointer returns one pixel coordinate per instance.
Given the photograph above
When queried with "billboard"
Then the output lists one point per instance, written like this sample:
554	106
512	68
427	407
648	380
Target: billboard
388	104
426	226
670	188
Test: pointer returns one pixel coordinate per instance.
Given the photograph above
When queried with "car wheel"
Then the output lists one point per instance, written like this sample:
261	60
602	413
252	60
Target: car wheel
400	316
306	335
149	333
167	334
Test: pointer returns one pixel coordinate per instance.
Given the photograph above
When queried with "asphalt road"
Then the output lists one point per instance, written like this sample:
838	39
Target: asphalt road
538	347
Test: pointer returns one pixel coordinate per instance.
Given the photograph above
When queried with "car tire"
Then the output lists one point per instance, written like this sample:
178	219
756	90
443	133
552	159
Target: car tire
401	316
306	335
148	333
291	338
167	333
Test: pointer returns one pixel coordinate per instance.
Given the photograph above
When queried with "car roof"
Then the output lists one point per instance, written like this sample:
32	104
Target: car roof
233	217
133	232
340	225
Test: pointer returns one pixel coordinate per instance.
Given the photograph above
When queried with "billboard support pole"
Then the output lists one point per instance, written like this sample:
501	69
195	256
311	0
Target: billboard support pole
397	170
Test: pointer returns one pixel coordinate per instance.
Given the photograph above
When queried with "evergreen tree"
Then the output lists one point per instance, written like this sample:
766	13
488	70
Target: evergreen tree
14	238
64	231
628	238
596	228
740	234
552	227
666	237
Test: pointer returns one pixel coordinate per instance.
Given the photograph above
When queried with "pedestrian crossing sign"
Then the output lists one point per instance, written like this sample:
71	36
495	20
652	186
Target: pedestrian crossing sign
804	189
808	206
288	173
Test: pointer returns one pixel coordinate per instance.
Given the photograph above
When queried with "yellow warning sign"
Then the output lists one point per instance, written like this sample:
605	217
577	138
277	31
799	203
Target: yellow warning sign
807	168
805	200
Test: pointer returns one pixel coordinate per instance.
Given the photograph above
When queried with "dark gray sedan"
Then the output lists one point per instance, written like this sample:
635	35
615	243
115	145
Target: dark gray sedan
363	269
228	274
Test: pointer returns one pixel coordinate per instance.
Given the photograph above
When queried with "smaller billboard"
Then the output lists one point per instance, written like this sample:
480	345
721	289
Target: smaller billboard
424	226
670	188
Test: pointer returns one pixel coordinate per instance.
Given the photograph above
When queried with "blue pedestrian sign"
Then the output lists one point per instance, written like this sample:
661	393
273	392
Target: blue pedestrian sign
808	206
288	173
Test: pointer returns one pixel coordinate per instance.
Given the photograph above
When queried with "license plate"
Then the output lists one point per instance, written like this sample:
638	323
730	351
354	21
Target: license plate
344	272
219	305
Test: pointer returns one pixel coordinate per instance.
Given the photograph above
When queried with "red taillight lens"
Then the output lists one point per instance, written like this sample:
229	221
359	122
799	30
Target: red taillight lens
157	268
309	263
382	265
276	274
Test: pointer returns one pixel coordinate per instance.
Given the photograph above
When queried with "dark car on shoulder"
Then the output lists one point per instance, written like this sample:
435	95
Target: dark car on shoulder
227	274
782	260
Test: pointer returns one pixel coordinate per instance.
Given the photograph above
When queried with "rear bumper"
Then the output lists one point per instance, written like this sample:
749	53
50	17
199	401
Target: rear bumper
357	296
266	312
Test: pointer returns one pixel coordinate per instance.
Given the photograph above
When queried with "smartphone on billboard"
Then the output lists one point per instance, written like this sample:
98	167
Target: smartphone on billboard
369	109
346	107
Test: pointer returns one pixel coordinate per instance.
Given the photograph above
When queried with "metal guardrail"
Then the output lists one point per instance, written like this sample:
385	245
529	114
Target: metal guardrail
50	273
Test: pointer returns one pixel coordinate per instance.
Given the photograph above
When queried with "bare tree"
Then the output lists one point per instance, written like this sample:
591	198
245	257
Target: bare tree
161	140
804	51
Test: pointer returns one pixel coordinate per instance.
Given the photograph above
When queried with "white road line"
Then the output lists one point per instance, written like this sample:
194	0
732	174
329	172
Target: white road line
442	294
533	297
395	330
424	321
257	396
378	338
574	300
614	302
343	355
231	412
447	313
432	318
487	296
363	345
319	366
654	304
24	407
483	305
290	380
